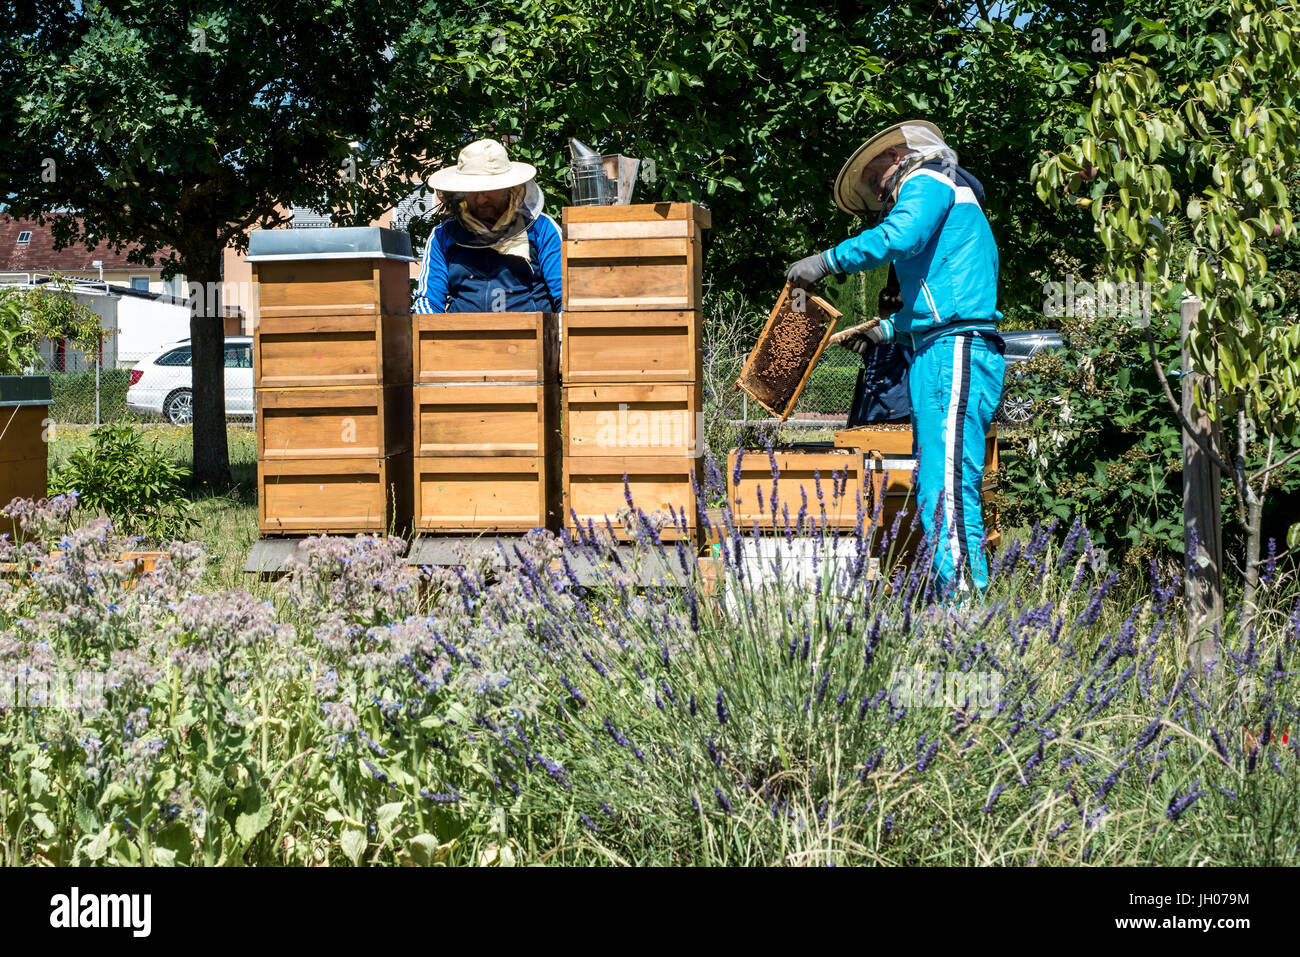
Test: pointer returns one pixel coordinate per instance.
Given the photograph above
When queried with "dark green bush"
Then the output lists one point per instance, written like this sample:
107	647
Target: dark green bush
1103	444
139	486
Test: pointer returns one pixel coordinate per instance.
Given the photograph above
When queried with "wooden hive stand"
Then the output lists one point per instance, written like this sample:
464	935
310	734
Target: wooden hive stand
632	367
332	380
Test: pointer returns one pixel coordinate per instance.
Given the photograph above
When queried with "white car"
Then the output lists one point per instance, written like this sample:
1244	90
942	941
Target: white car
163	383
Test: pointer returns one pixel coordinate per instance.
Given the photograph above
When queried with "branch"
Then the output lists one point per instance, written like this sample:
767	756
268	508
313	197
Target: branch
1178	410
1276	465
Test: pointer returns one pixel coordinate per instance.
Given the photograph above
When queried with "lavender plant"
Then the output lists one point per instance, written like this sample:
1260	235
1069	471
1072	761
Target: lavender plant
800	712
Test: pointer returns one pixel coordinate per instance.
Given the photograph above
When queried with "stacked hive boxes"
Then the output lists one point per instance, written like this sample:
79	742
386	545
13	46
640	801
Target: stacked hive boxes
332	380
817	487
632	366
486	403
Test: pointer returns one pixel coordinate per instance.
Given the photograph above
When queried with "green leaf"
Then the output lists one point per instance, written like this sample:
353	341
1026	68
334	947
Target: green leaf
163	857
353	845
387	814
423	849
254	815
99	845
37	781
43	823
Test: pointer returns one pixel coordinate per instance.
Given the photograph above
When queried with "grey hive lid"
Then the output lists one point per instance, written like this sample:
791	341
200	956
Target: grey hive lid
345	242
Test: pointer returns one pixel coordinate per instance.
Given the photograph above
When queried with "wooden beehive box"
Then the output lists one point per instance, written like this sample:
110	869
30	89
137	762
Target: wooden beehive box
616	419
796	333
839	475
336	422
297	351
647	346
331	286
335	496
25	434
623	258
888	439
474	494
331	307
488	418
485	347
895	442
594	490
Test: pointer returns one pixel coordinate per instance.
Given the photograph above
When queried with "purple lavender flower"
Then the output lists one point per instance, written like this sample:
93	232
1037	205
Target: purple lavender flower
722	709
619	738
1180	803
723	801
997	792
714	754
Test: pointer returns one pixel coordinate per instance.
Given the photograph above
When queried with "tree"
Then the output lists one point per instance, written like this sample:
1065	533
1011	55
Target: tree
171	125
1229	129
752	107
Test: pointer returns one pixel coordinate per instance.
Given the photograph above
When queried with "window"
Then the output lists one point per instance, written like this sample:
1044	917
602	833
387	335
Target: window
24	238
239	356
140	282
177	357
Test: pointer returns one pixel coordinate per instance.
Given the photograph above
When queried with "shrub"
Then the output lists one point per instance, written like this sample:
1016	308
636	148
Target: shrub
1103	444
136	484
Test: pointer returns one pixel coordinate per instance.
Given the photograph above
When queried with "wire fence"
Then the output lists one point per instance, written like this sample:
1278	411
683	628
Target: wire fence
153	386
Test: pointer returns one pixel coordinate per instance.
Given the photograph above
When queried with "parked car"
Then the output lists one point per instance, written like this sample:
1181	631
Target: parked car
163	383
1015	407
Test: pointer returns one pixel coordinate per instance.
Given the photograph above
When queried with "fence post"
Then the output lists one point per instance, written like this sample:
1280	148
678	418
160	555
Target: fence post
99	357
1201	513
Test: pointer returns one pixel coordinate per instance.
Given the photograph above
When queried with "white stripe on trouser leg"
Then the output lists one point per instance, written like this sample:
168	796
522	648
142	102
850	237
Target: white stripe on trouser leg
952	448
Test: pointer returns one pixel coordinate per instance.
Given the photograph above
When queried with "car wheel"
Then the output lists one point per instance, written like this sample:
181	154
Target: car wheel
179	407
1016	409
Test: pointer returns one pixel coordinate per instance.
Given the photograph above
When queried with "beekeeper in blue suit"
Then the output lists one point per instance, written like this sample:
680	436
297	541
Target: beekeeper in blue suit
497	251
931	226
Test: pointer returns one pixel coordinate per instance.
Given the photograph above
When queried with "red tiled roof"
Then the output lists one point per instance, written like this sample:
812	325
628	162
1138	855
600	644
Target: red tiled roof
40	255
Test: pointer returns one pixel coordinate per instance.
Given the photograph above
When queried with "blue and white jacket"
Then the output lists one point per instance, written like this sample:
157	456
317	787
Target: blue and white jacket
459	274
942	248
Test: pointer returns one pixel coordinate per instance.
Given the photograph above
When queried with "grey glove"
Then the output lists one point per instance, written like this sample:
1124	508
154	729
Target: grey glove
862	338
807	272
863	342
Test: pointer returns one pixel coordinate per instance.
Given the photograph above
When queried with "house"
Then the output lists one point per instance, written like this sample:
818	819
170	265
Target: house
140	311
27	247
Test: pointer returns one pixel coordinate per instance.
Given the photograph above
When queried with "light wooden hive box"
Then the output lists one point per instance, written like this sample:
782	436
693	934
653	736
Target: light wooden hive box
632	364
332	379
486	403
888	460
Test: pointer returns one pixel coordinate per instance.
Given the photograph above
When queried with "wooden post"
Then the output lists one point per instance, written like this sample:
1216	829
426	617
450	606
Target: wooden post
1202	518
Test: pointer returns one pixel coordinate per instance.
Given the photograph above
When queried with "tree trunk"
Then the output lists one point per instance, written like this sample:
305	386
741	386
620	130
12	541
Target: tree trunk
1202	520
1250	588
207	342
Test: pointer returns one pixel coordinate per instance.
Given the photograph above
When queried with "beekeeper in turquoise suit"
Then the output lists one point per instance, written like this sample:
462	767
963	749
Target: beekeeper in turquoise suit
931	226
